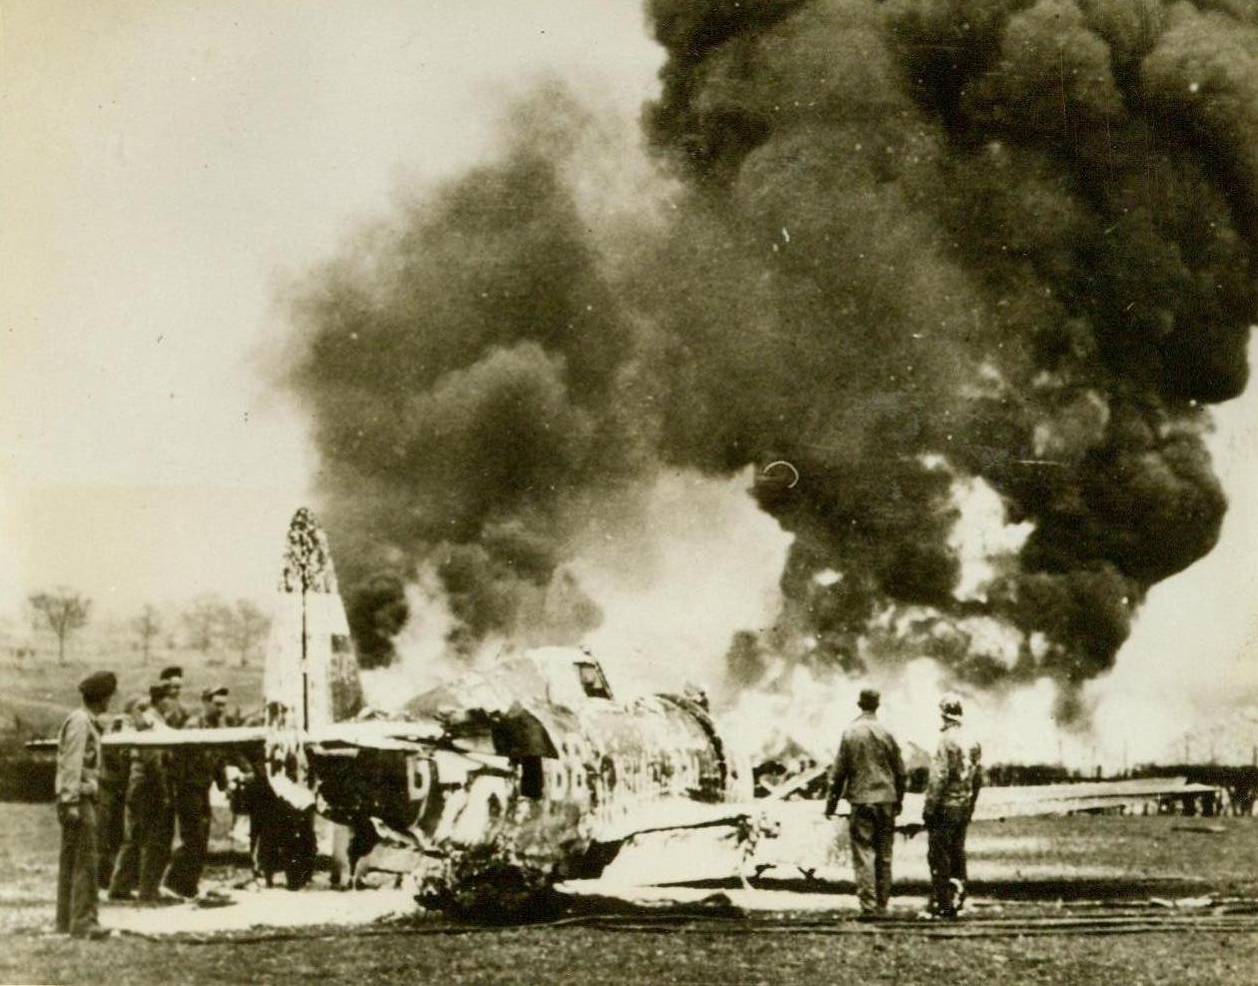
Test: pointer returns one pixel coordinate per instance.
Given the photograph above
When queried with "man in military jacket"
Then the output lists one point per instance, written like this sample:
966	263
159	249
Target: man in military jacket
78	787
148	823
956	776
193	770
869	772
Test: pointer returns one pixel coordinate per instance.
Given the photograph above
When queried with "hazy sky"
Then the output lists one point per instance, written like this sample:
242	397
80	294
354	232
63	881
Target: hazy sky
169	167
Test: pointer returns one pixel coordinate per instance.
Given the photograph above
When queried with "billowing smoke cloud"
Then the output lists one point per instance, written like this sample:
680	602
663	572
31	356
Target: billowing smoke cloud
463	368
915	245
1002	240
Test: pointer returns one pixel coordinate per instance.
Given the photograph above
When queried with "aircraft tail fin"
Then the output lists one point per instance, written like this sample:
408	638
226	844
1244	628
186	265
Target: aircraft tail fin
311	677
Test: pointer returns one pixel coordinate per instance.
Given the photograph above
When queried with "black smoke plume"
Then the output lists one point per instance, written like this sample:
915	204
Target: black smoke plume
460	364
915	241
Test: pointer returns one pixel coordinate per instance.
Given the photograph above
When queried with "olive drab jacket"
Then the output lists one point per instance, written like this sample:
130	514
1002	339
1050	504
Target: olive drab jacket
150	766
956	771
869	768
78	758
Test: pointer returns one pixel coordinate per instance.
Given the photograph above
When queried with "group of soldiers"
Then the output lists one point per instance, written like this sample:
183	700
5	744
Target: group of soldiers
120	809
869	773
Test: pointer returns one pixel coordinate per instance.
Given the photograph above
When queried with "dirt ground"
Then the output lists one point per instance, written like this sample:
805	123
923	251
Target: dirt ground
1175	901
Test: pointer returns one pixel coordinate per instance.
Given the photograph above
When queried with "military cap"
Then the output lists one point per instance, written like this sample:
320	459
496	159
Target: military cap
98	686
870	698
950	706
209	694
174	671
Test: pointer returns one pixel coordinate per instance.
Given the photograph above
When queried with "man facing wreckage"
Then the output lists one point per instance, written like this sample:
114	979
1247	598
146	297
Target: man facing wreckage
955	778
111	811
171	679
193	770
148	821
869	772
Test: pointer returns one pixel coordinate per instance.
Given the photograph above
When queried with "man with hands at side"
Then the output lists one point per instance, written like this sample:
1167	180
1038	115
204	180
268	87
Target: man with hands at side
869	772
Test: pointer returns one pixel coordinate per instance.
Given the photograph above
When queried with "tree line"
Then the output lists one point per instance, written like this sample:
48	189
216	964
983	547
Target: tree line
206	623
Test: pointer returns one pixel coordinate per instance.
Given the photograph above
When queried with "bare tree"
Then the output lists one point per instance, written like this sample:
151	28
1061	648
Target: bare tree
246	624
147	626
62	611
203	619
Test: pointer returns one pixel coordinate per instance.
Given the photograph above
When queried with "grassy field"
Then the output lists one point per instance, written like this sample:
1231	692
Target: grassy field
1150	850
1136	849
38	692
583	955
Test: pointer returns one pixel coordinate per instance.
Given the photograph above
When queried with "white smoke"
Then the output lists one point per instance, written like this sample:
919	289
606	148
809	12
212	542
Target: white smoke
699	563
804	709
981	537
422	659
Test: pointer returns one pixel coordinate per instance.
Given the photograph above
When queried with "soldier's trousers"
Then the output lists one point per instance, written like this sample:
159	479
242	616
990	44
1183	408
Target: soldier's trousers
871	830
76	875
111	829
192	814
148	829
945	852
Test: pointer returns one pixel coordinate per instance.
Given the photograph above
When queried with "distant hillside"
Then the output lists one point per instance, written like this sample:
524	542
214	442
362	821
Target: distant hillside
36	692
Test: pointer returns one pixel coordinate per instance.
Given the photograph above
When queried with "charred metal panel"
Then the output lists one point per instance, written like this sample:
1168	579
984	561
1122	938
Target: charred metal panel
537	754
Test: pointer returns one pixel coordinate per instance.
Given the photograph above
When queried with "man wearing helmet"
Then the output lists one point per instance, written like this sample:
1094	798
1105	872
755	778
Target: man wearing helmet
955	778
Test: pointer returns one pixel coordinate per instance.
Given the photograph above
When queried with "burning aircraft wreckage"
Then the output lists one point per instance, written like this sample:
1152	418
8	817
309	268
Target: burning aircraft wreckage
529	772
496	786
911	249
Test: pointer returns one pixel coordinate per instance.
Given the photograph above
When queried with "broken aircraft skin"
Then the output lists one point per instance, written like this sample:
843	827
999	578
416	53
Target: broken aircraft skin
533	759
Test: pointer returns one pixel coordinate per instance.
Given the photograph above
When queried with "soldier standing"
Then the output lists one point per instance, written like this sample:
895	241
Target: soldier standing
194	771
172	679
78	766
956	776
148	820
114	768
869	773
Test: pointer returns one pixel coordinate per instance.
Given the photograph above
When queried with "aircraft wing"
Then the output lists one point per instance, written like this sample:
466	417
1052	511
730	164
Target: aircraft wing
374	733
993	803
225	736
801	839
996	803
1059	799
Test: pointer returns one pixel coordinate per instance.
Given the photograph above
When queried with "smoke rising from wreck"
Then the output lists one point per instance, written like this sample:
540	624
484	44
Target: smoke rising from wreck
905	247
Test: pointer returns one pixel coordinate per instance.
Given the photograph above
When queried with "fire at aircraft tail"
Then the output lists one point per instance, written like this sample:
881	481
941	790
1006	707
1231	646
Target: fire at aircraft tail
311	676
